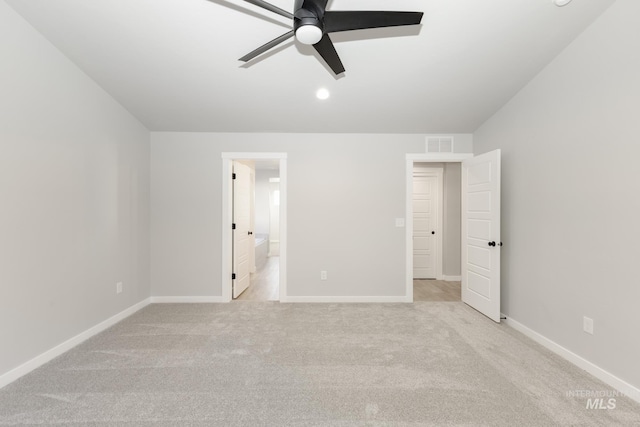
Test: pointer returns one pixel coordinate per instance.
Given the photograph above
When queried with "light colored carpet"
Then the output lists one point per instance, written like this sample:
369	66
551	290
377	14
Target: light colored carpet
271	364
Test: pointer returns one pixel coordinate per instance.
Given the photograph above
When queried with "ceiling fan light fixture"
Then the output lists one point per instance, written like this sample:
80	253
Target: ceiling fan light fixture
561	3
308	34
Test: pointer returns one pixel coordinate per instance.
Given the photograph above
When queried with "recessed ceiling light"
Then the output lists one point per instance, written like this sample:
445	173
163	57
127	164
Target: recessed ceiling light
322	94
561	3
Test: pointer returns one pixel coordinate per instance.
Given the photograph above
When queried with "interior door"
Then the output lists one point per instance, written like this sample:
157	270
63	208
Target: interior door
425	200
481	244
241	232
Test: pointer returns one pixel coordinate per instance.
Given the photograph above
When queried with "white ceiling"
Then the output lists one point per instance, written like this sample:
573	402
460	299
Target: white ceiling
173	63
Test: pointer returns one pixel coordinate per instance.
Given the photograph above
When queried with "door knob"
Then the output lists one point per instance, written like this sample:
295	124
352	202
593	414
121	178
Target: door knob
492	244
250	233
433	232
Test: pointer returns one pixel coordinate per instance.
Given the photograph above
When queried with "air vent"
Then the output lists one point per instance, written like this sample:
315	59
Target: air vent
439	144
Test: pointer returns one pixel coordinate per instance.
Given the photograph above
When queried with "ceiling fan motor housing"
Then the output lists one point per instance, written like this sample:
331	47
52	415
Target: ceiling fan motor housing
307	21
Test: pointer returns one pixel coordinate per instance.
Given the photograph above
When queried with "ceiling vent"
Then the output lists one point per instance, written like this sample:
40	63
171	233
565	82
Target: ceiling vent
439	144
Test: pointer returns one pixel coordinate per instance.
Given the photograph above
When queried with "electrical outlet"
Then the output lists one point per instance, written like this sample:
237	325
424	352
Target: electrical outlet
323	275
119	288
587	325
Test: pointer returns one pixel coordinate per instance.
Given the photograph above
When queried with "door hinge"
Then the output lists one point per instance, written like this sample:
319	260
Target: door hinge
233	226
233	276
233	176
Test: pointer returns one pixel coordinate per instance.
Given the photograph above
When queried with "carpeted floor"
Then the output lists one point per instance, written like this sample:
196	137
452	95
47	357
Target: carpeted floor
271	364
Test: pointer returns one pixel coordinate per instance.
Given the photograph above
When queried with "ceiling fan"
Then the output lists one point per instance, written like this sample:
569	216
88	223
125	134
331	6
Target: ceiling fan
312	24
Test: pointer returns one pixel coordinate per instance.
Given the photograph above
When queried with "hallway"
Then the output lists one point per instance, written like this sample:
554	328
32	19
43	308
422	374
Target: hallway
436	290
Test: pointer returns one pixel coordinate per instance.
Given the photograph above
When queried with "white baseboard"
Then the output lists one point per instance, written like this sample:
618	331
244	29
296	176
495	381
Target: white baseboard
345	299
627	389
51	354
452	278
186	300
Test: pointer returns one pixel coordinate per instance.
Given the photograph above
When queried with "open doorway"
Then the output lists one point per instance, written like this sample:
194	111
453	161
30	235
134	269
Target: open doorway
480	228
265	217
436	199
254	226
433	228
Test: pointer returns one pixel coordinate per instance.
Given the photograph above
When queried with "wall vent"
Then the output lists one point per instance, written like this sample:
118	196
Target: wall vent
439	144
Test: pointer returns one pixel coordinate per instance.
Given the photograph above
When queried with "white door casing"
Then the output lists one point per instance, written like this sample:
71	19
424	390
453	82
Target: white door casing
242	222
427	228
481	244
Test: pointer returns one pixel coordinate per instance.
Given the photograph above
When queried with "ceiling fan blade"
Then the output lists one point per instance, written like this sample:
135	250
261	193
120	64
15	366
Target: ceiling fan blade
322	4
265	47
335	21
328	52
270	7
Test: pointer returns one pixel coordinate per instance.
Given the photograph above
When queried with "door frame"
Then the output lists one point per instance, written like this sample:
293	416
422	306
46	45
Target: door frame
227	219
411	159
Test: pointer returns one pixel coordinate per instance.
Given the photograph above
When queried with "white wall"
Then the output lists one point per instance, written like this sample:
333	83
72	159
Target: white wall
571	195
263	204
344	193
274	217
73	198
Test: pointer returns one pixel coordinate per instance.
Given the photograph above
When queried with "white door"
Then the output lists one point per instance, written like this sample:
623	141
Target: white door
425	226
481	233
242	222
